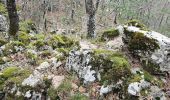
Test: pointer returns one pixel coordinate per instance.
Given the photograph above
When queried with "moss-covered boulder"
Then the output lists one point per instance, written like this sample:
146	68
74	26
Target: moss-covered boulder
24	37
113	66
14	75
109	34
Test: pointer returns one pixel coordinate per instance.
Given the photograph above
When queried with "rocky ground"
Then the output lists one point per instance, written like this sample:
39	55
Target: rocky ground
128	62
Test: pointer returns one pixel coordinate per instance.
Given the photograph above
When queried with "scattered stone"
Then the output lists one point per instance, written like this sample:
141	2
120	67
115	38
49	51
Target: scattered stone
105	89
82	89
57	80
34	79
134	89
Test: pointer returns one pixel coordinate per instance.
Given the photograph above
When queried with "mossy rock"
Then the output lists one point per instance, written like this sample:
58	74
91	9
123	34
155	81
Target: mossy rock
140	42
113	65
10	47
109	34
136	23
14	75
61	41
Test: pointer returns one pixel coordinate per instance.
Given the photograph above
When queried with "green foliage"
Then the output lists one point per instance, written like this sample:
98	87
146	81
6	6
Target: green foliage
110	34
26	26
10	47
151	67
39	43
3	9
52	93
79	96
65	86
24	37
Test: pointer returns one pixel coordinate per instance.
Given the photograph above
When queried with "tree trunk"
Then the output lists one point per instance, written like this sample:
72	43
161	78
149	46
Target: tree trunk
91	11
13	17
91	26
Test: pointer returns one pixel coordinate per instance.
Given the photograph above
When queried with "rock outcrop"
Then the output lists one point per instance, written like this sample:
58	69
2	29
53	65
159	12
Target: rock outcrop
154	48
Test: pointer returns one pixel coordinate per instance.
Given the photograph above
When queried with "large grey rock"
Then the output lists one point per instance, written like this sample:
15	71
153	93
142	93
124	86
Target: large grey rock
34	79
3	23
160	56
79	61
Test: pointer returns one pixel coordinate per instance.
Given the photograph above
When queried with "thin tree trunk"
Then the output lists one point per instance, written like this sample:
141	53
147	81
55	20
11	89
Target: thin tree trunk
13	17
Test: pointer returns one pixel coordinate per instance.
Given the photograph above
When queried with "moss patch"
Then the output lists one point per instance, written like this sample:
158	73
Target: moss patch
109	34
136	23
3	9
114	66
14	75
140	42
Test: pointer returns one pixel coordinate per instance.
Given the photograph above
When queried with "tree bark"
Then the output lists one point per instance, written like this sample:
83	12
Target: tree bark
13	17
91	12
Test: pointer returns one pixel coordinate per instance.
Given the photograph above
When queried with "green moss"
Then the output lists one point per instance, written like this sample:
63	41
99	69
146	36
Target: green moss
79	96
13	75
114	65
3	9
39	43
64	51
46	53
52	93
10	47
61	41
136	23
65	86
110	34
26	26
135	78
31	56
140	42
40	36
10	71
24	37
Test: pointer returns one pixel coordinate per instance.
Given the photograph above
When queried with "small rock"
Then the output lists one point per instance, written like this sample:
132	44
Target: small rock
105	90
57	80
82	89
74	86
134	89
43	66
